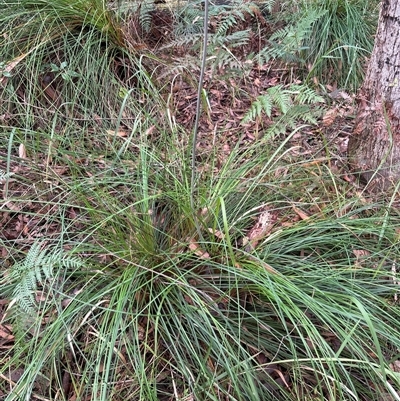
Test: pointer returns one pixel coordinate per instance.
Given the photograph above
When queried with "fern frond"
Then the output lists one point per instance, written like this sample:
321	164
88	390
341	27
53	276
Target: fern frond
297	114
230	20
292	105
235	39
305	95
145	18
281	98
38	267
220	49
276	96
261	104
189	20
184	40
264	105
287	43
268	5
4	175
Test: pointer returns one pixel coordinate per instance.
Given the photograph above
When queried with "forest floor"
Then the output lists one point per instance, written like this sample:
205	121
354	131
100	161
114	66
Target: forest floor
34	193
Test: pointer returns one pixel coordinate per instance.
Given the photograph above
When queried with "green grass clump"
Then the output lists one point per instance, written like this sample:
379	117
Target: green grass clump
154	300
340	41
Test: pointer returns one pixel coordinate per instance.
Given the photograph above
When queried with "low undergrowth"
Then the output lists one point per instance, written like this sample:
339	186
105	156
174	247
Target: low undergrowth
270	276
257	293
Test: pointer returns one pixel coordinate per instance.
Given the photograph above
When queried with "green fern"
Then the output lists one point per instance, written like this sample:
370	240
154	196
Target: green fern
220	47
235	39
145	17
231	18
303	113
36	269
5	176
268	5
191	40
305	95
190	20
292	105
224	35
281	98
275	96
141	10
286	43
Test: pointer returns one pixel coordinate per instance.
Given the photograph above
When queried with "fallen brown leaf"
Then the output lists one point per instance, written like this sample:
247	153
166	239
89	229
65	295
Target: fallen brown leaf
300	213
260	230
120	134
22	151
193	246
5	333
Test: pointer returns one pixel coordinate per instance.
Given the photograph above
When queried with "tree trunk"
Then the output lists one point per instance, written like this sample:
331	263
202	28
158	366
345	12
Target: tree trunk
374	146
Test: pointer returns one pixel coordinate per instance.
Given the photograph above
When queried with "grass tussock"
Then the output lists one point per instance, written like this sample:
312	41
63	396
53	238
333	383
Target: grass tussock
160	301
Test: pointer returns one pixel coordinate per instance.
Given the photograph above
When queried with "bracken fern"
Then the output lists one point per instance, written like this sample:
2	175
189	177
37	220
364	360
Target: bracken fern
144	10
5	176
38	267
292	104
224	34
286	44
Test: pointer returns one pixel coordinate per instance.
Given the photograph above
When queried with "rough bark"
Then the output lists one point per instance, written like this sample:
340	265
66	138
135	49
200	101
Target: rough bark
374	146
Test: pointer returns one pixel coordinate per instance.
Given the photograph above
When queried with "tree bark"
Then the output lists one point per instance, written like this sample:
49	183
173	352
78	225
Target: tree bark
374	146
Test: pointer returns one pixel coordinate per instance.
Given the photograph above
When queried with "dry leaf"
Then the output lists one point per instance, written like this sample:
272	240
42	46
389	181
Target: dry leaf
340	95
5	333
11	65
300	213
314	162
120	134
329	117
360	253
22	151
395	366
260	230
150	130
395	279
193	246
217	233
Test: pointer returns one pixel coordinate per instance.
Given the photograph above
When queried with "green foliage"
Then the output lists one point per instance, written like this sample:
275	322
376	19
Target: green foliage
63	71
225	36
221	48
294	104
234	16
340	40
164	306
287	43
141	10
165	298
38	268
52	19
145	9
224	17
